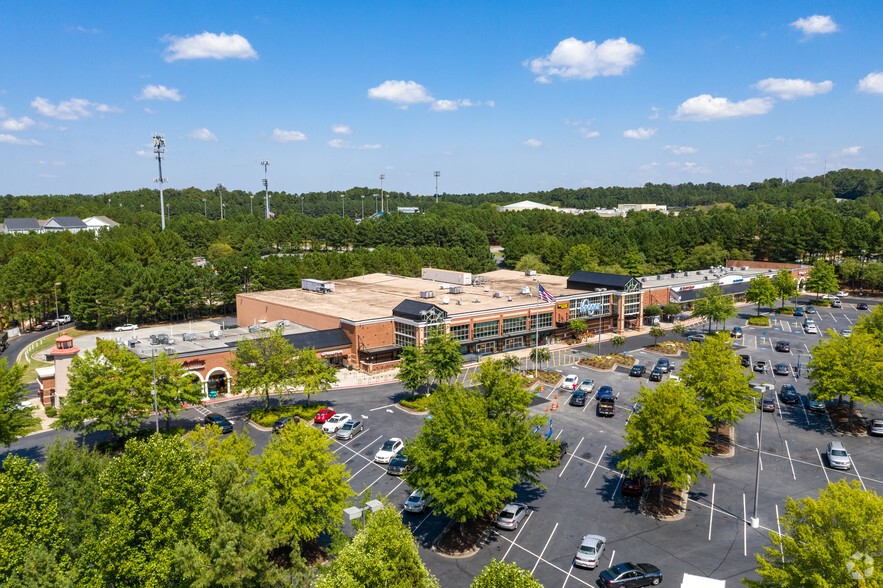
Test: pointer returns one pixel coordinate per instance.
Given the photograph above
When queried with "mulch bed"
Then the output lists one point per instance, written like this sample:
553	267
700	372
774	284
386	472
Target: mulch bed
668	347
671	501
721	443
311	551
840	417
605	362
544	376
461	538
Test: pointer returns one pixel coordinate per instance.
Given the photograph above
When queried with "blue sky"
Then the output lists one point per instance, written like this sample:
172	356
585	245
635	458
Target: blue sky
515	96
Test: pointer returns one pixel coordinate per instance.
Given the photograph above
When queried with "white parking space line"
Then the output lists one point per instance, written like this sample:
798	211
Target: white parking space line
596	467
823	465
857	475
394	489
568	575
383	475
346	445
727	514
618	484
791	461
613	553
834	317
779	530
427	515
529	552
561	473
744	527
559	434
517	535
381	407
540	557
711	513
805	414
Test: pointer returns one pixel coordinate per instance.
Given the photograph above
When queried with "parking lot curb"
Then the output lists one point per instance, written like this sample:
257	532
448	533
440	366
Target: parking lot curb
681	514
467	554
248	421
411	411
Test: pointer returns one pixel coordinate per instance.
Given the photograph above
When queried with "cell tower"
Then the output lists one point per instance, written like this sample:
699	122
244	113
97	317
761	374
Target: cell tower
436	174
159	147
265	163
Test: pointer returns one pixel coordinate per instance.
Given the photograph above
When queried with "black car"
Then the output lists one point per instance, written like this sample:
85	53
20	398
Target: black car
783	346
789	395
219	420
782	369
663	365
862	306
637	371
398	465
631	574
656	375
746	360
282	422
578	399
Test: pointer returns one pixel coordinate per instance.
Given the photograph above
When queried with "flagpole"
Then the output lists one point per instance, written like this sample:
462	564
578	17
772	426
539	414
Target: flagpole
536	354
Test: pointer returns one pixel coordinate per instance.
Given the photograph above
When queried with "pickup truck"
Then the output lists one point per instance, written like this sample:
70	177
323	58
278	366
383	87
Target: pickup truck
606	405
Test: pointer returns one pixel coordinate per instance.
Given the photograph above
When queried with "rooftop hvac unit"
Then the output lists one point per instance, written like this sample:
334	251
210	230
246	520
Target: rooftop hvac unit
446	300
510	299
445	286
643	279
658	277
456	290
170	350
487	288
189	336
498	294
744	268
459	302
699	273
475	299
686	274
530	273
214	334
524	290
317	286
673	275
427	294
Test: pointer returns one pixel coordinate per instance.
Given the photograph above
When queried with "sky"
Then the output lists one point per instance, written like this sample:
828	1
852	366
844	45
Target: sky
495	96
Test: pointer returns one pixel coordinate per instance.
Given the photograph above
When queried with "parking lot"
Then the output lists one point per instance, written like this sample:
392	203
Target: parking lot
583	495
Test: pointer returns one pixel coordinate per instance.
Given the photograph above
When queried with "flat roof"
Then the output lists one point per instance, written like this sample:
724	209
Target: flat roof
675	279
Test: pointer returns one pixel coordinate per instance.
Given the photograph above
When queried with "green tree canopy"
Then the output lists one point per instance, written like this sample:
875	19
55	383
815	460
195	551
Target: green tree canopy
762	291
822	279
442	353
174	386
714	305
786	286
383	555
579	258
15	420
847	365
531	261
821	537
673	453
110	389
413	369
498	574
264	364
311	373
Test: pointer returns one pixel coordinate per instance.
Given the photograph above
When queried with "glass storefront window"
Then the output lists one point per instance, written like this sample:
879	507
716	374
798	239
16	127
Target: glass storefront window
405	334
514	325
543	321
590	306
486	329
489	347
460	332
632	304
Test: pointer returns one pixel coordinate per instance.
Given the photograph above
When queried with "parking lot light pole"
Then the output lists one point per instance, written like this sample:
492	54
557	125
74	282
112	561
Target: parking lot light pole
355	512
57	319
155	407
755	521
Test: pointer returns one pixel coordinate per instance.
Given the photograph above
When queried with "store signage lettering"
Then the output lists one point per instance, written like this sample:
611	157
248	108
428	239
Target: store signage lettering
335	352
686	288
589	308
194	364
564	306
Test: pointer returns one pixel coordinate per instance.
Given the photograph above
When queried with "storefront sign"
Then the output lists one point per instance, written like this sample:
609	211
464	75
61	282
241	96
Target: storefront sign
564	305
194	365
589	308
329	353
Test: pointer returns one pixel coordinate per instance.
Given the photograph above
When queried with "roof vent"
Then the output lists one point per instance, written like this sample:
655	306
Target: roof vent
487	288
530	273
459	302
510	299
686	274
427	294
524	290
445	286
498	294
699	273
658	277
643	279
456	290
673	275
475	299
446	299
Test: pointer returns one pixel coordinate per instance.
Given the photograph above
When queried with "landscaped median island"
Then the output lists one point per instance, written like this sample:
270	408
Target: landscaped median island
266	417
416	403
607	362
668	347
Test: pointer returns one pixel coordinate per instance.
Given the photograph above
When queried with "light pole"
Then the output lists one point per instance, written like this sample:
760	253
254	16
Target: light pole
363	206
355	512
155	407
382	177
251	204
375	204
205	207
159	147
246	278
221	196
57	321
436	174
755	521
342	207
265	163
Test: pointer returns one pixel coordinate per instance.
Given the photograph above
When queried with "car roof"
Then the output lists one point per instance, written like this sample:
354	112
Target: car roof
394	439
591	539
836	445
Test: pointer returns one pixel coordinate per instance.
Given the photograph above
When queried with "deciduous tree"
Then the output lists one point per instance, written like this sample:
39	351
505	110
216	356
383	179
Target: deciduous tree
847	365
579	328
656	333
15	419
714	305
413	368
264	364
175	387
442	353
311	373
498	574
762	291
786	286
822	279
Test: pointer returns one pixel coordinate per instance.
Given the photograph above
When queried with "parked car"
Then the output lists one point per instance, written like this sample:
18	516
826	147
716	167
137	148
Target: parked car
656	375
810	310
736	333
798	311
767	404
282	422
783	346
842	294
587	386
838	458
606	402
846	332
760	366
219	420
875	427
570	382
746	360
696	338
418	501
637	371
389	450
512	514
789	395
349	430
334	423
323	415
631	574
782	369
579	398
398	465
590	551
811	329
814	404
633	485
862	306
126	327
828	297
664	365
836	303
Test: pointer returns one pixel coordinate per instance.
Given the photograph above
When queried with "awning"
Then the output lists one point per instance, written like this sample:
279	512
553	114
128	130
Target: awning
379	350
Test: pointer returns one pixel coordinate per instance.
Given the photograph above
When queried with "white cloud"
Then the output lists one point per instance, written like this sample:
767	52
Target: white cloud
533	143
680	149
13	140
281	136
152	92
202	134
851	150
16	124
816	25
208	46
807	157
341	129
341	144
490	103
445	105
655	114
639	133
871	83
149	111
73	109
789	89
337	143
400	92
370	146
705	107
92	31
143	153
586	133
573	58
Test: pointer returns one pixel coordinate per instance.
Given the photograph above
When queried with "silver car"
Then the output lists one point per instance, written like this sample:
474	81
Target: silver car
512	514
838	458
418	501
349	430
590	551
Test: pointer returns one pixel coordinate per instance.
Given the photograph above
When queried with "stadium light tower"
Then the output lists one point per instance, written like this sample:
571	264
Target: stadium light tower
382	176
436	174
159	147
265	163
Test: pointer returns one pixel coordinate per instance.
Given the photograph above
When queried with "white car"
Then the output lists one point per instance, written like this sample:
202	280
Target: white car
389	450
590	552
336	422
570	382
841	294
812	330
846	332
126	327
828	297
418	501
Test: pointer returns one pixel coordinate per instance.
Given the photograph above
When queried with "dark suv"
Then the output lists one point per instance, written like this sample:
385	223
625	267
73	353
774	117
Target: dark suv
219	420
578	398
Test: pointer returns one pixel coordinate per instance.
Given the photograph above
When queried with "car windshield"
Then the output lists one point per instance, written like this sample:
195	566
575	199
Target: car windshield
838	452
348	426
399	460
389	445
507	513
587	549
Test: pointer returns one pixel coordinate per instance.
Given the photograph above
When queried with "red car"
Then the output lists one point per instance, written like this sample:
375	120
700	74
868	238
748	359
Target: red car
323	415
633	485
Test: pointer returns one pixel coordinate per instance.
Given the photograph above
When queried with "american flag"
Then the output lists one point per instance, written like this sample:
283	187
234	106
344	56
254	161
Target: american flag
544	295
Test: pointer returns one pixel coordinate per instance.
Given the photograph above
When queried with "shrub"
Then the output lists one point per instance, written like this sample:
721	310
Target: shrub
759	321
785	310
416	402
51	412
266	418
821	302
